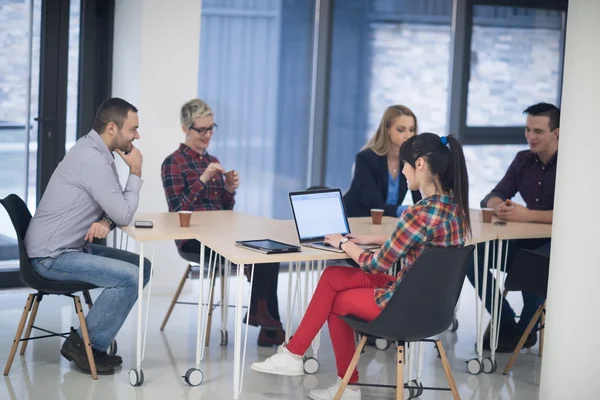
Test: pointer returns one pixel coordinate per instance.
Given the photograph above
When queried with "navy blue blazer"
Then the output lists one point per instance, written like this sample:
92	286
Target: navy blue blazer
369	187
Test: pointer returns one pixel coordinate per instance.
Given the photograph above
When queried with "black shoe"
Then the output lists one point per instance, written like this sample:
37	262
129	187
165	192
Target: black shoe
108	359
507	332
270	338
509	345
73	349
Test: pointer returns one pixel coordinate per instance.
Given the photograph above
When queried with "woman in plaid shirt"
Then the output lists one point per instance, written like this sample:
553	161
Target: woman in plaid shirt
194	180
436	167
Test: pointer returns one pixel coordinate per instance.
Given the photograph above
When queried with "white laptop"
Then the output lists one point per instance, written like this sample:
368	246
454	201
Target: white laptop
318	213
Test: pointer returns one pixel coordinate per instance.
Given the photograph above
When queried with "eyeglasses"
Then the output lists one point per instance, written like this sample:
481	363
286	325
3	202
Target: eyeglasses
204	131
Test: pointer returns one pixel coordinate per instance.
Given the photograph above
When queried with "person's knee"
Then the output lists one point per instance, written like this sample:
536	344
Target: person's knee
129	278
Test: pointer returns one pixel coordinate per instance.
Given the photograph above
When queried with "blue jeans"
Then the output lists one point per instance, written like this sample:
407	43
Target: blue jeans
531	302
113	269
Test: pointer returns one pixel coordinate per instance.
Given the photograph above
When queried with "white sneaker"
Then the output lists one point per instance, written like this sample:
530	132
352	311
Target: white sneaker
329	394
282	363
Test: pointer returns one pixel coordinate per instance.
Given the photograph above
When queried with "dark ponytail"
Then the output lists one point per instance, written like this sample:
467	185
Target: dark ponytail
446	160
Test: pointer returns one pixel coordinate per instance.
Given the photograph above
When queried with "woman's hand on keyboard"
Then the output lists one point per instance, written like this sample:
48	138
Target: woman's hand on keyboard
333	240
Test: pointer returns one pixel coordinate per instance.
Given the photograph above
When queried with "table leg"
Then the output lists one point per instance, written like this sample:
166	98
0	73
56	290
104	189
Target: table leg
140	308
288	324
136	375
316	344
199	342
486	258
495	305
237	341
499	297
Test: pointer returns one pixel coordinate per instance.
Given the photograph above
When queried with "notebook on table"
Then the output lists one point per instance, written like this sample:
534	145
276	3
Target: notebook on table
267	246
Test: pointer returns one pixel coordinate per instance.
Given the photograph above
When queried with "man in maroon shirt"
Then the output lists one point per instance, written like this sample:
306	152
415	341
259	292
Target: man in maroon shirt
532	174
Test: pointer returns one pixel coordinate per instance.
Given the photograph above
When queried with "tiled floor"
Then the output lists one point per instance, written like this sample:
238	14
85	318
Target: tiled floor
43	374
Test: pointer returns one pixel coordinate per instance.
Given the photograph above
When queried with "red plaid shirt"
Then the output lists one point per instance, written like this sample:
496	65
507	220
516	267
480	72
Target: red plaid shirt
432	222
185	191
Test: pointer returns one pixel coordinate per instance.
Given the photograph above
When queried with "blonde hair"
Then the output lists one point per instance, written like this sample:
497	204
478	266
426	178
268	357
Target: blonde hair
193	109
380	142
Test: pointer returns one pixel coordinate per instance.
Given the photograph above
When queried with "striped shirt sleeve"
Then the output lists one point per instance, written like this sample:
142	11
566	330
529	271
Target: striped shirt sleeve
99	179
410	232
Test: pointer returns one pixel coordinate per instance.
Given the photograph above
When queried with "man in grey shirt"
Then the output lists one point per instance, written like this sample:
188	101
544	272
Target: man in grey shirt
84	200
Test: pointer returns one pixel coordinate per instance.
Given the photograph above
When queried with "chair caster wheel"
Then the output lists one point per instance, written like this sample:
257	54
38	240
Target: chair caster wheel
382	344
454	326
418	387
413	390
193	377
489	366
474	366
135	378
224	338
311	365
112	349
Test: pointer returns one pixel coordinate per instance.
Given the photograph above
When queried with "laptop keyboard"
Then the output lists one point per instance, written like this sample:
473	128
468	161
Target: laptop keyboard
322	244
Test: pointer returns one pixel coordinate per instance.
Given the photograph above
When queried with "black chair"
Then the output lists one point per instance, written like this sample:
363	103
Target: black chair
422	306
20	217
529	273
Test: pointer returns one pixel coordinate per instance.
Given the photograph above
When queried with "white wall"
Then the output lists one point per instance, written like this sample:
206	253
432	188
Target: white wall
155	67
570	362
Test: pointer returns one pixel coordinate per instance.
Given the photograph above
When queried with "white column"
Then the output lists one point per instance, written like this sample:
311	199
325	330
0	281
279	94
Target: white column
572	351
155	67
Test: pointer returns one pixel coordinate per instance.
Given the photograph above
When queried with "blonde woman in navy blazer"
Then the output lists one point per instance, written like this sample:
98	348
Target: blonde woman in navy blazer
378	181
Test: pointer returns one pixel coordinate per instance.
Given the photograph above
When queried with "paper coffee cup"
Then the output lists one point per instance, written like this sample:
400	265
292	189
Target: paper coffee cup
487	214
376	216
184	218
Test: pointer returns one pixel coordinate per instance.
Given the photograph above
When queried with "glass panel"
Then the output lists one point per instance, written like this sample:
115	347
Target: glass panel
73	74
515	62
18	102
384	52
255	73
487	165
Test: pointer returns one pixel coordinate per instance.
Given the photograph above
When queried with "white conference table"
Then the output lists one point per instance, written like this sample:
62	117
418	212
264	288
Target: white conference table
220	229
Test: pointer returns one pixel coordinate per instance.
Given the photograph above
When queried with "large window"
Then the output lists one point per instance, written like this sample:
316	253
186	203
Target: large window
19	88
515	62
39	42
384	53
296	100
255	73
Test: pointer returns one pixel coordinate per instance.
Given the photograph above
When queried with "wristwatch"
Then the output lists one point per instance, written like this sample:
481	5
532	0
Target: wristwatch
110	223
342	241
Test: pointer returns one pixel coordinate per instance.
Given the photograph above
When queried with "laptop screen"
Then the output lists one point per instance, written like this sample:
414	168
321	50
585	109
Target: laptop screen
319	213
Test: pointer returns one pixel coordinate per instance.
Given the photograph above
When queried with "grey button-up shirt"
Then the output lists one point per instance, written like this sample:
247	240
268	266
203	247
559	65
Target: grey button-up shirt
83	188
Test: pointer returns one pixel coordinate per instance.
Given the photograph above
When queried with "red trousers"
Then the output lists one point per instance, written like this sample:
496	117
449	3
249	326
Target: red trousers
341	291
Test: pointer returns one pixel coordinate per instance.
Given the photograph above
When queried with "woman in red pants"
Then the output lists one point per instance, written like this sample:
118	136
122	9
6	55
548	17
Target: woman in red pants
436	167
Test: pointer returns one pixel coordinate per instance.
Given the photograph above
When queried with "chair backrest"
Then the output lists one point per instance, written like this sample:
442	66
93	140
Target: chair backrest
21	217
529	273
423	303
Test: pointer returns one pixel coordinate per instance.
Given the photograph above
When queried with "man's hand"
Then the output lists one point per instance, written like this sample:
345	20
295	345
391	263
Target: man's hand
514	212
133	160
234	184
210	171
98	230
